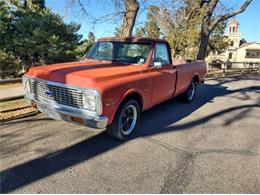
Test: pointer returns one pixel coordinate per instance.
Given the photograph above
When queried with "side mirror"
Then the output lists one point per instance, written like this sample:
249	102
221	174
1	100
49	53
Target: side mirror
157	65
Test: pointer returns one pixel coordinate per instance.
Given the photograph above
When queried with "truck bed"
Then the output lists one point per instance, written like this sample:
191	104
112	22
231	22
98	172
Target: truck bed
186	71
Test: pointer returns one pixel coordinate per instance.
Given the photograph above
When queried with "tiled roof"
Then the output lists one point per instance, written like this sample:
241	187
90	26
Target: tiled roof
248	43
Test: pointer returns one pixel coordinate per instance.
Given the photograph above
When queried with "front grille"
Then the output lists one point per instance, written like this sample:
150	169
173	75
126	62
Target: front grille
61	95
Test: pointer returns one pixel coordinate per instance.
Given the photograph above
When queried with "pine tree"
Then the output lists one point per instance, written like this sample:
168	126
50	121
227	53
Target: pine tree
85	45
30	36
151	28
152	23
91	37
39	3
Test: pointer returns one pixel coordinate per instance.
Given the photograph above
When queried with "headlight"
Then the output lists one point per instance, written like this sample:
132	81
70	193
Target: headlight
89	101
26	84
92	101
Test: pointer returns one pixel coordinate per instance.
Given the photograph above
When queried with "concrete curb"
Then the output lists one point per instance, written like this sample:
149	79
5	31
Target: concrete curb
15	80
11	98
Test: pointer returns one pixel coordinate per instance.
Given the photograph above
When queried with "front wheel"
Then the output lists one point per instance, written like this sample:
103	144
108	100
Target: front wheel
189	95
125	121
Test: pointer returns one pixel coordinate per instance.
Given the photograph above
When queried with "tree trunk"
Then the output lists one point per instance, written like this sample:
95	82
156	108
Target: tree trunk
131	9
208	24
204	39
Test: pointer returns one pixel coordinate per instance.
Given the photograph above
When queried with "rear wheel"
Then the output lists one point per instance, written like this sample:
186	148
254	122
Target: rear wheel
125	121
189	95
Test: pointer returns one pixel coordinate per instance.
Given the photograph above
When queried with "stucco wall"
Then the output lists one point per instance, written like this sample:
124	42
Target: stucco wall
241	53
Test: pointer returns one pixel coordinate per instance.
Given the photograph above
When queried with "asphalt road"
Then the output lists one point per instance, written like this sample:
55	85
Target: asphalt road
209	146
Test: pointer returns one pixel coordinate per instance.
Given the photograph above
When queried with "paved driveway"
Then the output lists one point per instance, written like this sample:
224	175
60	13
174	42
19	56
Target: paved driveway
209	146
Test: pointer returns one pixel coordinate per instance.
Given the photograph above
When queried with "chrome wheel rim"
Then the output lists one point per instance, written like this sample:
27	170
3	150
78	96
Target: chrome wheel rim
191	91
128	119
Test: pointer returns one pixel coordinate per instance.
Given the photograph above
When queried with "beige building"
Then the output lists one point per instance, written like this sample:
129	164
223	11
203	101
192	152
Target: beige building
240	54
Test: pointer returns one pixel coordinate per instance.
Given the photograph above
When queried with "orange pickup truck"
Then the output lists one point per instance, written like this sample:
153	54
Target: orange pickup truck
117	80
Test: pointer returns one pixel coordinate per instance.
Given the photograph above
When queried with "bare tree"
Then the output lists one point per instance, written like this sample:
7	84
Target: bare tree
131	9
125	10
209	23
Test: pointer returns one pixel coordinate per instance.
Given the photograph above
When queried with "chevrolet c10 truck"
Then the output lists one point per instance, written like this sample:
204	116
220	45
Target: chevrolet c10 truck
117	80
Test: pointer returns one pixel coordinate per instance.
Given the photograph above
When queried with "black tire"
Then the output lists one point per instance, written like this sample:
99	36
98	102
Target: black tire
189	95
125	121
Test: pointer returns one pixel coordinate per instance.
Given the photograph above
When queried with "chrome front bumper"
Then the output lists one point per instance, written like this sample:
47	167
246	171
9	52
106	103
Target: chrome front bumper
66	113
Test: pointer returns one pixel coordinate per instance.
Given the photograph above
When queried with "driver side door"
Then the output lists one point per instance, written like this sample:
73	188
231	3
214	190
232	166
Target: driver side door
163	74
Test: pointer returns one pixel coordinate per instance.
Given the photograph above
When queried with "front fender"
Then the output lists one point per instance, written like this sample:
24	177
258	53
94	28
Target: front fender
113	97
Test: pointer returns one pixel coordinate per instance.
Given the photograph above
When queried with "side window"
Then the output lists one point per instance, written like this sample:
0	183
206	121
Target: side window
161	54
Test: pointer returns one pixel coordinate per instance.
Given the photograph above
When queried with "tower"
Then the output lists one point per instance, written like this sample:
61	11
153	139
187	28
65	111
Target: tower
233	33
234	37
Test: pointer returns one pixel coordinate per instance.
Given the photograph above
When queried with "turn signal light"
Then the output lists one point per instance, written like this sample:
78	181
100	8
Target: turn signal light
77	120
34	105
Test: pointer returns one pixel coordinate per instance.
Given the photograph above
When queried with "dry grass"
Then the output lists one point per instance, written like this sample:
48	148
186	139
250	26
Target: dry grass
15	109
10	85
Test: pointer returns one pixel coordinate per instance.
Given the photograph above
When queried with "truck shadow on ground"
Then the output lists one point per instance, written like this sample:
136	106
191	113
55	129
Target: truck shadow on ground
160	119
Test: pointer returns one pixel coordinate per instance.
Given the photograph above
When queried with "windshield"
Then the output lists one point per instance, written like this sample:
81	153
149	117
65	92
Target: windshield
126	52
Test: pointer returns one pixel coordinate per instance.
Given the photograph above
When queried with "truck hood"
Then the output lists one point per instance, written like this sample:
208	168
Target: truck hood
85	74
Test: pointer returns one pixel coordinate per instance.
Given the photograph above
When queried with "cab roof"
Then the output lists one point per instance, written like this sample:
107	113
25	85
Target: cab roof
132	39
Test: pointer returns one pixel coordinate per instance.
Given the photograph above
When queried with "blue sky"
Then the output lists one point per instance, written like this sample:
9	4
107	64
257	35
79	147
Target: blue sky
249	20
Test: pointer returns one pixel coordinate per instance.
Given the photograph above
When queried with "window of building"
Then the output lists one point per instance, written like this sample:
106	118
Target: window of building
230	55
232	43
252	54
